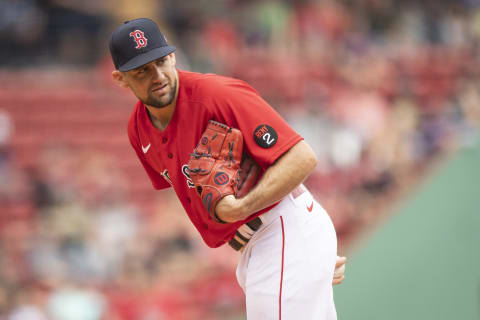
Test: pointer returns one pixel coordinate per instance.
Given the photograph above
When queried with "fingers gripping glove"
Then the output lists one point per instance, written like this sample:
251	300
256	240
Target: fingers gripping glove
214	165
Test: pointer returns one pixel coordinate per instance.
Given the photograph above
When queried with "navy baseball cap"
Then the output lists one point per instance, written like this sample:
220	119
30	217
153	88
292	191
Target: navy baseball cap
137	42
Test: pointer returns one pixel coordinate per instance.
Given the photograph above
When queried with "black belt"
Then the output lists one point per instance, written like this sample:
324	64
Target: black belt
241	237
246	231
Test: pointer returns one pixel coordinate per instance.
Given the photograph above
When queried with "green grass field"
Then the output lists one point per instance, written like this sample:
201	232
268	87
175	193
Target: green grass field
424	262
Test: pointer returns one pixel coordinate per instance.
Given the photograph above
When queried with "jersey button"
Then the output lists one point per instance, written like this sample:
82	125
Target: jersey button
164	140
189	200
170	155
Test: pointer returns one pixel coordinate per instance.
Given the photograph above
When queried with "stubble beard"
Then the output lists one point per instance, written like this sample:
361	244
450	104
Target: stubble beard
163	101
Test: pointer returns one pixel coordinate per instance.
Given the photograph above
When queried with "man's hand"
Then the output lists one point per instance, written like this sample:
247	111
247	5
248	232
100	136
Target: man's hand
339	273
229	209
277	181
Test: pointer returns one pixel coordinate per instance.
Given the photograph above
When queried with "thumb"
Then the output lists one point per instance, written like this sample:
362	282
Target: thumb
340	261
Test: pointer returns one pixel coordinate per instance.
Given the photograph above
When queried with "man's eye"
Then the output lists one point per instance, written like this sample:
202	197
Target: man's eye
141	72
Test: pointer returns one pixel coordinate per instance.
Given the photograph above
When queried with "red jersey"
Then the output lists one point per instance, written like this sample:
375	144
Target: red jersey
203	97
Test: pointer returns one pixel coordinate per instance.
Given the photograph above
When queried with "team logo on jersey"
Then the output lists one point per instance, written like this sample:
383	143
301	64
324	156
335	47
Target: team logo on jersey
167	177
265	136
139	38
190	183
221	178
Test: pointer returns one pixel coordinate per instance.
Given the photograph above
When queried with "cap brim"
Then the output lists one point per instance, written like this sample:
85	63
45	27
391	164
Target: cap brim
147	57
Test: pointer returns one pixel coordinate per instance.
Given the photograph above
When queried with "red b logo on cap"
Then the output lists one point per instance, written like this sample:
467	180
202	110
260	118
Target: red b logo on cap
139	38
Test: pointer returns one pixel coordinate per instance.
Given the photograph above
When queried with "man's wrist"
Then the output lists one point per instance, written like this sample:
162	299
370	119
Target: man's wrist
231	210
241	212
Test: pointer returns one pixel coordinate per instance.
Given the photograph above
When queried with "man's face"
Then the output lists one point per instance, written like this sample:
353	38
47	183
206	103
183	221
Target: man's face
154	83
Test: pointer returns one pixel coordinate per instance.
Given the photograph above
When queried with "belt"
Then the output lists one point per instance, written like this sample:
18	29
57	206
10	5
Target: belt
245	233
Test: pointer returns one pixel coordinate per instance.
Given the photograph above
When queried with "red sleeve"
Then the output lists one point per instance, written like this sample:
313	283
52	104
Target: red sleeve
156	178
266	134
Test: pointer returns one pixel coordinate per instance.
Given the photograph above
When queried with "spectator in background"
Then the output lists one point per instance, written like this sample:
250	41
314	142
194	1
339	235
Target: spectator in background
50	31
22	28
29	304
15	190
75	302
6	130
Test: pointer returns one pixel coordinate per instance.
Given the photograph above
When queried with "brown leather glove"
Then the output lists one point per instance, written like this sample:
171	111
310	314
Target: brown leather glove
214	166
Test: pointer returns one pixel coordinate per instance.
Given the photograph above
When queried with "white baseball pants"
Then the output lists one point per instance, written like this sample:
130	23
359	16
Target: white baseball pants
286	269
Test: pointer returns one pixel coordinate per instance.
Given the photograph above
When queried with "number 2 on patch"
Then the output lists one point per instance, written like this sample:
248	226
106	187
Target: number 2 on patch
265	136
269	140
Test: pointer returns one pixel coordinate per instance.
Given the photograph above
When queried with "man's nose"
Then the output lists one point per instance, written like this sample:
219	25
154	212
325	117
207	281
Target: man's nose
158	73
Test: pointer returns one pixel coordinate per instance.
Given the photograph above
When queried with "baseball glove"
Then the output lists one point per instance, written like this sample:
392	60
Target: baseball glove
216	167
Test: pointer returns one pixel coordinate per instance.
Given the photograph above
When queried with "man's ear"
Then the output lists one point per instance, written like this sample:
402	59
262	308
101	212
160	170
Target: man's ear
119	79
172	56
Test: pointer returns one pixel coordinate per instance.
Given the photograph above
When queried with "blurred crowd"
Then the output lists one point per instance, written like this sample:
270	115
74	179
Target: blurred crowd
381	89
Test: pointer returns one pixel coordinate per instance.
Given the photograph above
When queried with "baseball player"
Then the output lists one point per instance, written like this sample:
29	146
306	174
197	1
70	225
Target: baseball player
237	168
